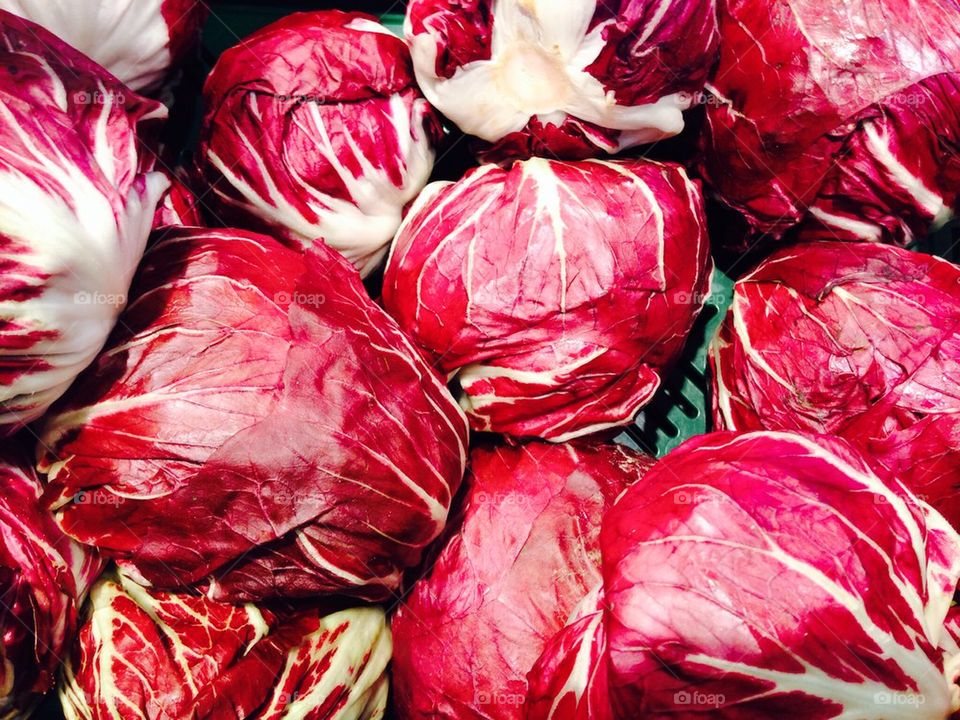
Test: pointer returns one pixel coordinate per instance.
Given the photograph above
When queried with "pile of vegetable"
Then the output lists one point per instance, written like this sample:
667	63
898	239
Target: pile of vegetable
304	418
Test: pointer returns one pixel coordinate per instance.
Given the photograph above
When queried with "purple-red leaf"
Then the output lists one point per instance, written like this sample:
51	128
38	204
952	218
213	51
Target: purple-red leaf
142	42
315	131
776	575
859	341
556	293
837	120
76	203
257	425
156	656
44	576
521	558
569	80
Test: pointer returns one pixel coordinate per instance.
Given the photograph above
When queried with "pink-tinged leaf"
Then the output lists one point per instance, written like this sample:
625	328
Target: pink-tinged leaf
556	306
569	680
44	576
142	42
179	206
570	80
854	340
836	121
155	656
76	201
315	131
518	560
776	575
259	398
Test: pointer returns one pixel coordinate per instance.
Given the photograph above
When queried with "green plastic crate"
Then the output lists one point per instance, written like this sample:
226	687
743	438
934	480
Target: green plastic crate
681	408
232	21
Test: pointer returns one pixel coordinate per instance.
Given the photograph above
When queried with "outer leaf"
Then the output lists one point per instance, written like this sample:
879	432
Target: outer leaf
139	41
178	207
570	680
44	576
